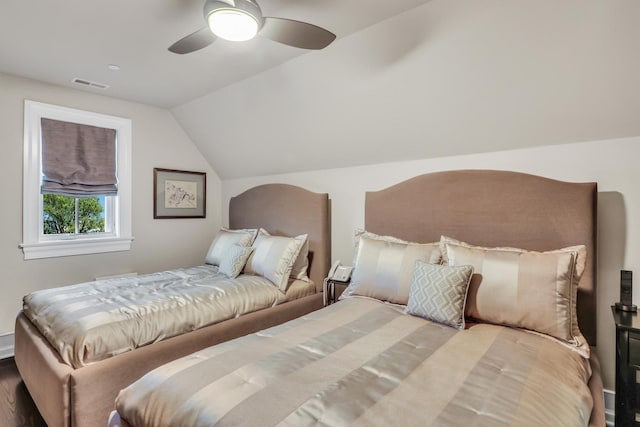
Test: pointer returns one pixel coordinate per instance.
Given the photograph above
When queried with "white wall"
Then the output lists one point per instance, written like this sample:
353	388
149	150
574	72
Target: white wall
612	164
445	78
158	141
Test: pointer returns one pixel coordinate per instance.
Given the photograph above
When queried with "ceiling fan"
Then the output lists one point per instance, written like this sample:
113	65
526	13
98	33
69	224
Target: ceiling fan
241	20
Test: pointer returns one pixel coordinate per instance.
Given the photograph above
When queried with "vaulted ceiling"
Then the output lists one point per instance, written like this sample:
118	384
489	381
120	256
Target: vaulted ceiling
405	79
56	41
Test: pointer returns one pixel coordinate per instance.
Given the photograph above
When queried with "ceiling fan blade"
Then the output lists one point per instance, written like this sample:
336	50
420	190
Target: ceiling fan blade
194	41
296	33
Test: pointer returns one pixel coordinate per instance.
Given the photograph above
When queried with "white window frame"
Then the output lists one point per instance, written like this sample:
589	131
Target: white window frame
34	243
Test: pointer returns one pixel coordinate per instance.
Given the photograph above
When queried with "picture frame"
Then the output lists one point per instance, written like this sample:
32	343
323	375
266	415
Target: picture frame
179	194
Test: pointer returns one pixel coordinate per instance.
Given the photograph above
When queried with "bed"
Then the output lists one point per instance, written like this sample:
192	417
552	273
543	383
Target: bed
84	396
507	238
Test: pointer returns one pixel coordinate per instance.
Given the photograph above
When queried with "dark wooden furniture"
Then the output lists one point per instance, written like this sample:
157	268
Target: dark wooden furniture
332	293
627	368
16	406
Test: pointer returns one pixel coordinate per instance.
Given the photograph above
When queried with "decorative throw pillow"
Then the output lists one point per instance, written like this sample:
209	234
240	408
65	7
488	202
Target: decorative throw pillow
360	233
300	267
526	289
438	293
225	239
274	256
383	267
234	260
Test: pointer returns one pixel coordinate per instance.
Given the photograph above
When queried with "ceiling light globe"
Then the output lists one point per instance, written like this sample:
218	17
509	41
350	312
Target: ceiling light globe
233	25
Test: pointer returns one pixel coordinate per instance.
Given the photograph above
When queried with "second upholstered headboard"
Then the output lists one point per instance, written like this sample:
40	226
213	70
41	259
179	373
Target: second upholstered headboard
495	208
287	210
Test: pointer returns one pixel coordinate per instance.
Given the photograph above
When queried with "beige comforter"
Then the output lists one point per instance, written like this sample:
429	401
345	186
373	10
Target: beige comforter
91	321
361	362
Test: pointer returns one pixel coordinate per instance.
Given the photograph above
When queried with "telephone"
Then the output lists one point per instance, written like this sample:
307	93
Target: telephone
340	272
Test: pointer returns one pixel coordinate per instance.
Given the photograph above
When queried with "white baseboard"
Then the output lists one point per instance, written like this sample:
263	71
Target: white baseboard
609	407
6	345
116	276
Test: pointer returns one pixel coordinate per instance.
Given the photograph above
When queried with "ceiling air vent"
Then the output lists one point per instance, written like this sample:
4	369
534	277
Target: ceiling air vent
83	82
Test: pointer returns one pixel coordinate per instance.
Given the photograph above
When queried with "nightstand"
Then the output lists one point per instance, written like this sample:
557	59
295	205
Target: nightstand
627	368
331	292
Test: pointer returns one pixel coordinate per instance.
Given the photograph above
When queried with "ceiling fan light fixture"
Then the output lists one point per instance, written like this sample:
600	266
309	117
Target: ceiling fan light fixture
240	20
233	24
234	20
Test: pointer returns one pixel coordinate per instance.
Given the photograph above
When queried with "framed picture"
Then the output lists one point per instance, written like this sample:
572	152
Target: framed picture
179	194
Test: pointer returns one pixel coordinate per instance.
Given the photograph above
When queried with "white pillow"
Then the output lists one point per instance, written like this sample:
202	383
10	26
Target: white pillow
273	257
234	260
225	239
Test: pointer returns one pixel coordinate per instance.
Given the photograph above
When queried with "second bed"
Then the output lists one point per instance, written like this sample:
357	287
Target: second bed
74	379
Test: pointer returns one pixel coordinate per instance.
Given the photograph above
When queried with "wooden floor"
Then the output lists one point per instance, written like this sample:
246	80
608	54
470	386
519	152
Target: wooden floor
16	406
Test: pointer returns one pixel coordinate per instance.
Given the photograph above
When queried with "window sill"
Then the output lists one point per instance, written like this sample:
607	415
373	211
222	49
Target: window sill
60	248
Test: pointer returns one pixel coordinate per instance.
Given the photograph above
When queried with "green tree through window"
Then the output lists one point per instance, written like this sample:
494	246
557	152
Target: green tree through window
62	214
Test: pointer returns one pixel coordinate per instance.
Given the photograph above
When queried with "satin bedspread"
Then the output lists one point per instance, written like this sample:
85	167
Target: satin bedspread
92	321
361	362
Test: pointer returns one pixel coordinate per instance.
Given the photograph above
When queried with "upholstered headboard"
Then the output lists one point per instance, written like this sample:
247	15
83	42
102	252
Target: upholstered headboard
287	210
495	208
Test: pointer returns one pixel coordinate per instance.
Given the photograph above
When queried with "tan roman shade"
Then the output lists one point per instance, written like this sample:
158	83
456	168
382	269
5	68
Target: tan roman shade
78	160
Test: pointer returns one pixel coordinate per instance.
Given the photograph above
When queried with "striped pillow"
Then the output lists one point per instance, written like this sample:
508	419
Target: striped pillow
526	289
301	265
273	257
383	267
360	233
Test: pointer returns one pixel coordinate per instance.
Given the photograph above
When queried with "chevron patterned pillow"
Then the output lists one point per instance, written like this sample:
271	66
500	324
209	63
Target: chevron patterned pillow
223	241
234	260
438	293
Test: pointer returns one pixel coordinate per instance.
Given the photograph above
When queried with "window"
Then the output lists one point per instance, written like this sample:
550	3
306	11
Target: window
67	215
60	224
